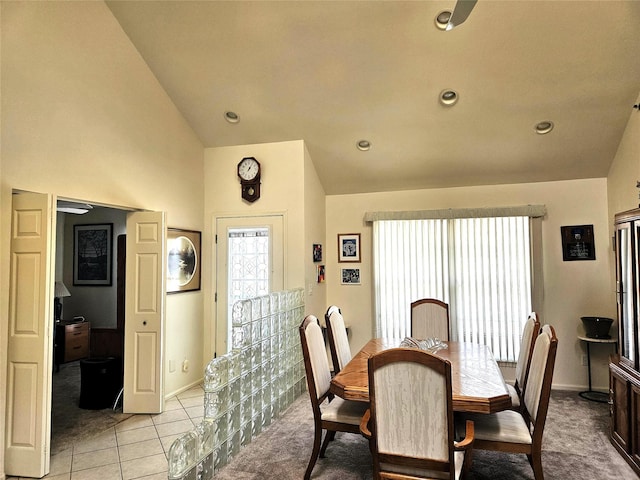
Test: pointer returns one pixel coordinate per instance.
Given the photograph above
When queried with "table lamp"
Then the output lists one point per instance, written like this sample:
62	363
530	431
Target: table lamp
60	290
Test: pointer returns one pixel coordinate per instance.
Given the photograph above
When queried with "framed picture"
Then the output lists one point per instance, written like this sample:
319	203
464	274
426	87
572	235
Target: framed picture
349	247
320	273
577	243
92	254
350	276
317	252
183	260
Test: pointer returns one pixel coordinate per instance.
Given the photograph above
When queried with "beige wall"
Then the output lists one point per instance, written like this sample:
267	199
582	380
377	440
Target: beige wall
287	185
315	232
625	170
84	118
571	289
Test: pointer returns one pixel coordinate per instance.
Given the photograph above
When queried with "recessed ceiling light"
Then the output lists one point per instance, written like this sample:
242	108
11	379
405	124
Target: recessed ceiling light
544	127
448	97
442	20
363	145
231	117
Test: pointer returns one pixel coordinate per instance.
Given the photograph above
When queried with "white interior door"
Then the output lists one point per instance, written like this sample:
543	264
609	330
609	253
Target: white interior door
144	312
30	345
249	263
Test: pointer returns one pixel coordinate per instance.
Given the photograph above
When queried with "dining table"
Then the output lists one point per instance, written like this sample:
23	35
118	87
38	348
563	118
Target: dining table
477	384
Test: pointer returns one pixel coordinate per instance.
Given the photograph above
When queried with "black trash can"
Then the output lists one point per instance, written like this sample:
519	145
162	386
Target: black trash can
100	382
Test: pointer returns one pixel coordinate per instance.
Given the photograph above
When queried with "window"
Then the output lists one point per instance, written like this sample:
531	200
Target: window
481	267
248	263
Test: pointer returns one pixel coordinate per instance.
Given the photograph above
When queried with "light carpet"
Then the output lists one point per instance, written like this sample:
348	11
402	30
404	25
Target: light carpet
575	446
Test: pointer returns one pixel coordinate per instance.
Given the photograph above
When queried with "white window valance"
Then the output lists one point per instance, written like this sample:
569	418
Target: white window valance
532	211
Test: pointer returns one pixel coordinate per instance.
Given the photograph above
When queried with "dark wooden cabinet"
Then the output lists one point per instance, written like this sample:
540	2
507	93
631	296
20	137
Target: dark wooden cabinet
72	341
624	368
635	425
620	395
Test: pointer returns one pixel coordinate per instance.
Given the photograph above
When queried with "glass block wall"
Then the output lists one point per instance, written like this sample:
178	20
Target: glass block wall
247	388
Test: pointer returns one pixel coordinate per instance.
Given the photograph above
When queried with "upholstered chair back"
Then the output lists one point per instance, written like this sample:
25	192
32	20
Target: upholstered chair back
411	413
411	387
529	334
430	319
318	372
338	340
330	310
536	395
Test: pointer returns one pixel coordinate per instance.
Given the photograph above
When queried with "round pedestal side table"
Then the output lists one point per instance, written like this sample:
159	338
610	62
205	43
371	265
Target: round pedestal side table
602	397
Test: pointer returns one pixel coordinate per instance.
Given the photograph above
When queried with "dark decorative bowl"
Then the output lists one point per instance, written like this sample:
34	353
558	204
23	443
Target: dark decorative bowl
597	327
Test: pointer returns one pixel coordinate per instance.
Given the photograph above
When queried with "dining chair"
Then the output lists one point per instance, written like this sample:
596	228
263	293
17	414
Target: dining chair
521	432
430	319
410	423
338	340
529	333
330	413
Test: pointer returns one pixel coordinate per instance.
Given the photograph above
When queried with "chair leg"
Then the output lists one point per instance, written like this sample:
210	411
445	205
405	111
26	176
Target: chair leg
314	453
331	434
466	464
535	459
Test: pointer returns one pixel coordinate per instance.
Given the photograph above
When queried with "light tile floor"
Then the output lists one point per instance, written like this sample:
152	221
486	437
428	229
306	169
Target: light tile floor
136	448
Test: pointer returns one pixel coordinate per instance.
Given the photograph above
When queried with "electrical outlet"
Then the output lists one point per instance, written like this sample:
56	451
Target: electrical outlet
185	365
584	360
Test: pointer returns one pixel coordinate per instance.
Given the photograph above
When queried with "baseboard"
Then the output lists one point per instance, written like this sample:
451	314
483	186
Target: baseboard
579	388
167	396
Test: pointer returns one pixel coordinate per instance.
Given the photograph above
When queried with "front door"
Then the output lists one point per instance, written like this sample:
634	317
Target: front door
250	263
144	312
30	345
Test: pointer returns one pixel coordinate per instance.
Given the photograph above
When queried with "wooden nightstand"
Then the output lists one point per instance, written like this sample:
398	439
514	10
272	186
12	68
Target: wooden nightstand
72	341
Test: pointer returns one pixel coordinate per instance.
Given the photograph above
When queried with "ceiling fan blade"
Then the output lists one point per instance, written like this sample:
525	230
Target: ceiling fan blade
460	12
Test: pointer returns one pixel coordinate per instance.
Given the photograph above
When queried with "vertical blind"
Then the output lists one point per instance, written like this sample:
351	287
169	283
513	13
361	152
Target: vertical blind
481	267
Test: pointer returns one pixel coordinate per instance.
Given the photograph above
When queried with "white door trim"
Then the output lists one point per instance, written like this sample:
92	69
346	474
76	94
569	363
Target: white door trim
249	220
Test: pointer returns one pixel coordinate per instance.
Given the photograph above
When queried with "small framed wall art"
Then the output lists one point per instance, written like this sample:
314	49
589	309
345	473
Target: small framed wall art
350	276
183	260
349	247
577	243
317	252
320	273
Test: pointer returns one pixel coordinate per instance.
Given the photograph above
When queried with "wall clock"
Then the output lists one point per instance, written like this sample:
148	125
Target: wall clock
249	174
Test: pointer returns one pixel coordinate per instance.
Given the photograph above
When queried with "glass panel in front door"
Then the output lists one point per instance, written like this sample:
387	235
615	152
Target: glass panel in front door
249	267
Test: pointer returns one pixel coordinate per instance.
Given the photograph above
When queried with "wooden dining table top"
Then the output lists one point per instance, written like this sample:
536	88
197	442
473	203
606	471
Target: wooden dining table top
477	383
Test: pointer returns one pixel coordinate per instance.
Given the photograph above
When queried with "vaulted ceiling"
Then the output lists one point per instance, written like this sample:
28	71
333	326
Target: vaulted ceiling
333	73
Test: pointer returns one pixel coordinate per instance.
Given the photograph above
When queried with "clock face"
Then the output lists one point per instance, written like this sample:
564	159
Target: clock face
248	168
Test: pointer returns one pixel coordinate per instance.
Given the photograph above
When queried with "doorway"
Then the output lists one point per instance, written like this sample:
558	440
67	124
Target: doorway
102	309
249	263
31	322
